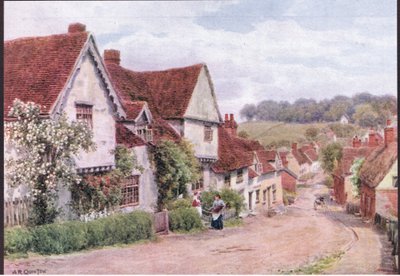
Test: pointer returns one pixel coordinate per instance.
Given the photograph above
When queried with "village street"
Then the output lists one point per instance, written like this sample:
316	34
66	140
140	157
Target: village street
262	246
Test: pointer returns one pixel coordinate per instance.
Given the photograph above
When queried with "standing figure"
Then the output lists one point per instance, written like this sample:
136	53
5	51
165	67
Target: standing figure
216	210
197	203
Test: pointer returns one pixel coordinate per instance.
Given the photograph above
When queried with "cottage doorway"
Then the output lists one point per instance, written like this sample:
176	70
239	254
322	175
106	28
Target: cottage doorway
250	201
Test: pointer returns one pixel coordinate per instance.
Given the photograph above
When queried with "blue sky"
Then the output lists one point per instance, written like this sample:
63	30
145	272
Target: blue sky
255	50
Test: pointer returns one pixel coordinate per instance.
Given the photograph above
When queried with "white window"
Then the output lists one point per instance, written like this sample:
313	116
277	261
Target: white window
84	114
239	178
130	191
208	134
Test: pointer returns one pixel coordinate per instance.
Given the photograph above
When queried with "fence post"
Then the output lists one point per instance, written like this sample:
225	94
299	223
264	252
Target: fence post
166	222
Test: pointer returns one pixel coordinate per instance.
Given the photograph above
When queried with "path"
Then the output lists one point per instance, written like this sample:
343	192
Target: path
262	246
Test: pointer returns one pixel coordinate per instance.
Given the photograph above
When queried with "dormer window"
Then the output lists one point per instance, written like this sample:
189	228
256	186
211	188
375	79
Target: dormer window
84	114
145	133
208	134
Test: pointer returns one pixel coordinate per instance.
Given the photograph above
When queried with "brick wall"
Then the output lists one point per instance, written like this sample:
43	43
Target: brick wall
338	189
367	203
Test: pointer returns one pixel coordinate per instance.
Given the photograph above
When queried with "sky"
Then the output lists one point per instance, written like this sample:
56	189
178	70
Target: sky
255	49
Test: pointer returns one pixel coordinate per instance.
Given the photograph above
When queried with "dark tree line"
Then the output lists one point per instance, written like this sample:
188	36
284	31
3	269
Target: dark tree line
364	109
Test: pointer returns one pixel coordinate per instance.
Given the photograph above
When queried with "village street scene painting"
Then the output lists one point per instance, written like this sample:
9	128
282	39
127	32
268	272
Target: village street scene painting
200	137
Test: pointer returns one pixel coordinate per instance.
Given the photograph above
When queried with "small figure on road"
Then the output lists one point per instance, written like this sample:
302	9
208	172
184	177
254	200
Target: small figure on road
216	211
197	203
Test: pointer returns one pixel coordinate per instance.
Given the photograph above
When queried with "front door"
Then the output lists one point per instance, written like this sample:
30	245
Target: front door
250	200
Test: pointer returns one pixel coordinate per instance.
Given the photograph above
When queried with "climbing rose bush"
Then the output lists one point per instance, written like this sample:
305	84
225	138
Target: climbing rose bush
45	149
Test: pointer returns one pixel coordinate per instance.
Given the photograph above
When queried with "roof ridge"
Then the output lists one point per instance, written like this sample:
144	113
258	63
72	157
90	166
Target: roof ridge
27	38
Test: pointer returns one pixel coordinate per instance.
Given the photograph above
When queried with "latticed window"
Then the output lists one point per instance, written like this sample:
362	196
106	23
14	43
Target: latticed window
84	114
239	178
208	134
145	133
130	191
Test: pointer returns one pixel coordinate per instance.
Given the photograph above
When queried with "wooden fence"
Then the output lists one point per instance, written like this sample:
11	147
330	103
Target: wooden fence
16	211
160	222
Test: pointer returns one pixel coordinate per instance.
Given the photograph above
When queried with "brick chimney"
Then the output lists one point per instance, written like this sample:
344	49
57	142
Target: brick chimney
356	142
112	56
372	139
230	124
294	146
389	133
76	28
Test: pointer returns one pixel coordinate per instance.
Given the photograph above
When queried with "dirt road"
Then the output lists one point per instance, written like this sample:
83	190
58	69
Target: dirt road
262	246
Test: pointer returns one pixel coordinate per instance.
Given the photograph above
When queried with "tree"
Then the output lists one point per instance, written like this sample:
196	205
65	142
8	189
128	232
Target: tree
45	148
365	115
176	167
330	156
311	133
243	134
248	111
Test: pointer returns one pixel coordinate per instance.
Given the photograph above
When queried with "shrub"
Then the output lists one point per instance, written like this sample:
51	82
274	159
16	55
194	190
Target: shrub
72	236
328	181
179	203
184	219
17	240
231	198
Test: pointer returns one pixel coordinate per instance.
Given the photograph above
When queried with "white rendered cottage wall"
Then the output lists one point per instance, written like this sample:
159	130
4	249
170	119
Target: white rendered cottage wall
88	87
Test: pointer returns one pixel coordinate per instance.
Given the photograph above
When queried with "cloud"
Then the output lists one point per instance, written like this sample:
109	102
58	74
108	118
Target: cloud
278	58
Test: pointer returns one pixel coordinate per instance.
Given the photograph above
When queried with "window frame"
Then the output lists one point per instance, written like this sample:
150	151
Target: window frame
239	176
227	180
208	133
84	113
257	196
130	182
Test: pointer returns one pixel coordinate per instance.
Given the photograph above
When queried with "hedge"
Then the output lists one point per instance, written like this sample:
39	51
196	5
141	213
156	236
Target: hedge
184	219
58	238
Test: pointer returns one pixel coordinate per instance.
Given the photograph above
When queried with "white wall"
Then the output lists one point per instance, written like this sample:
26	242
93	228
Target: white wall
194	132
87	86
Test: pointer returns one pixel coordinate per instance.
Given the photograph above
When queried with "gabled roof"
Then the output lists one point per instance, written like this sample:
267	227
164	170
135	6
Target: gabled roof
167	92
378	164
265	156
126	137
37	68
252	173
134	108
234	152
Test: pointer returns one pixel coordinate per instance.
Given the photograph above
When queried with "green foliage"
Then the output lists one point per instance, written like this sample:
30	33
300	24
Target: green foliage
355	177
59	238
45	155
319	266
365	115
176	167
232	199
327	110
184	219
243	134
179	203
344	131
312	133
103	190
17	240
233	222
330	156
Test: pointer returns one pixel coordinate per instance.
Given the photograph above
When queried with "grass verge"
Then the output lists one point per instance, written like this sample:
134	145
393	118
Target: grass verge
319	266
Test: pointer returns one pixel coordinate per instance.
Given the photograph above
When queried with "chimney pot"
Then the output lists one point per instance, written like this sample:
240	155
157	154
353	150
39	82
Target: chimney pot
112	56
232	119
226	117
388	122
389	135
76	28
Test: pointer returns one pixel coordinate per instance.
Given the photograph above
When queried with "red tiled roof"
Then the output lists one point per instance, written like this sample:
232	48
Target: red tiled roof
252	173
270	155
126	137
311	154
37	68
234	152
348	156
133	108
163	131
167	92
264	157
299	156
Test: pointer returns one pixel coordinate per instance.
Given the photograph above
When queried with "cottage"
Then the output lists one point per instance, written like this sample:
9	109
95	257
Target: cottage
64	73
182	100
303	160
379	179
342	186
345	119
